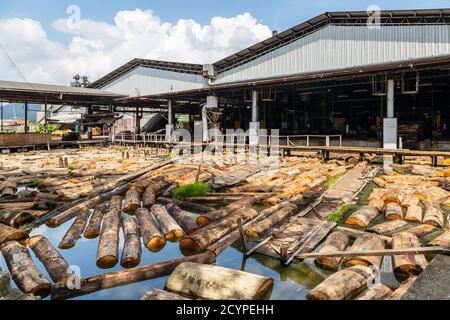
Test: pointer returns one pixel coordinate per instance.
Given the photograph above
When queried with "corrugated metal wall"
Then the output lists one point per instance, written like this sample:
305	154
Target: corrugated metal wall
149	81
341	47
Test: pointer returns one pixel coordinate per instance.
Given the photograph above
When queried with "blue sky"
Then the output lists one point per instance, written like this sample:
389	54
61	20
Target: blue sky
279	15
37	35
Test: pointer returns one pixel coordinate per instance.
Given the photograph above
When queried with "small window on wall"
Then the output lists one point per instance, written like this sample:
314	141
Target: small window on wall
379	82
410	82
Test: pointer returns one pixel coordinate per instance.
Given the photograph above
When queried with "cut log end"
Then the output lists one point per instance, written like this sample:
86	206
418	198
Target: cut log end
42	290
251	233
189	246
203	221
107	262
174	236
130	208
129	262
156	244
66	245
91	234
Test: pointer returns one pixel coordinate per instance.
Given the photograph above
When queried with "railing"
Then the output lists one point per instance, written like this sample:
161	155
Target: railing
145	138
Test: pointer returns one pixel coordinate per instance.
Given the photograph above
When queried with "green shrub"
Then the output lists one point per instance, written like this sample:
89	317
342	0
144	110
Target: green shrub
336	216
51	127
197	189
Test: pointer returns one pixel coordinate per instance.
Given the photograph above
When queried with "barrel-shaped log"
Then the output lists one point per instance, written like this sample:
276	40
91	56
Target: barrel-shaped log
108	245
217	283
363	216
366	242
337	241
393	211
203	238
376	292
94	226
26	275
75	231
282	213
377	204
15	219
149	197
168	226
342	284
55	264
183	218
153	240
392	196
409	264
132	200
422	230
132	251
414	214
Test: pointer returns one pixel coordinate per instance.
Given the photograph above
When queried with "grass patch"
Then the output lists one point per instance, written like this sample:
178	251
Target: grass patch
332	181
197	189
37	182
336	216
71	167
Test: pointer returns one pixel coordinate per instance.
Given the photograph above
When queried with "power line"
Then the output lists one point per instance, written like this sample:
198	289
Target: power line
11	61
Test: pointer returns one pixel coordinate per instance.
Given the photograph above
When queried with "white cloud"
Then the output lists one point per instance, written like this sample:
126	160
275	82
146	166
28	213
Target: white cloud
96	47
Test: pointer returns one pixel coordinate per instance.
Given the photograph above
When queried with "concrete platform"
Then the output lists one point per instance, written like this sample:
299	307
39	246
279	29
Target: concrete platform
433	283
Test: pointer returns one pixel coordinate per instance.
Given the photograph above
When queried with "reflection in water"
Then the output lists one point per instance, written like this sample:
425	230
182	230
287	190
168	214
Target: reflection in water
291	282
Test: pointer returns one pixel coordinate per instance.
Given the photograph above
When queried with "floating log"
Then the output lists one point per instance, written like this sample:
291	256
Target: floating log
8	233
153	240
156	294
184	219
108	245
400	291
283	212
26	275
132	201
433	215
407	264
388	226
217	283
363	216
337	241
422	230
342	284
56	266
381	183
203	238
15	219
205	219
393	211
149	197
93	228
75	231
124	277
414	214
366	242
195	207
442	240
168	226
376	292
131	254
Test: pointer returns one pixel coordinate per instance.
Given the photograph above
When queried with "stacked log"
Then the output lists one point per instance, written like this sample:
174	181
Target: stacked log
195	207
168	226
206	219
56	266
26	275
366	241
184	219
442	240
407	264
8	233
363	216
93	229
433	215
15	219
337	241
387	227
342	284
422	230
75	231
217	283
131	254
153	240
108	245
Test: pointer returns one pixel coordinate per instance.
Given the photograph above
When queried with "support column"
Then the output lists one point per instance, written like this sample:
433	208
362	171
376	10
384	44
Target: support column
1	115
169	126
211	102
254	124
137	125
26	118
390	123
